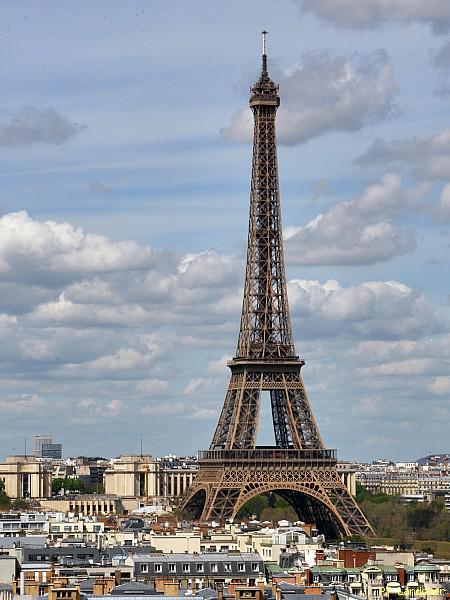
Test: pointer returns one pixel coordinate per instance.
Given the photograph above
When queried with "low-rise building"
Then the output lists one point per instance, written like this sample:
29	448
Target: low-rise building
13	524
197	570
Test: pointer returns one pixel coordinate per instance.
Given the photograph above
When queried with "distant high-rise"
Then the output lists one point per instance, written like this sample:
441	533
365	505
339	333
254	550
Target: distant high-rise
38	442
44	447
51	451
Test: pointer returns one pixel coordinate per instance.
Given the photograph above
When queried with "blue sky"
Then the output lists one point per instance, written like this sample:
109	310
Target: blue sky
125	164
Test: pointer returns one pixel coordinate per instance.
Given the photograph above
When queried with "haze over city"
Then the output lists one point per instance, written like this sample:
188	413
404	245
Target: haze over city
125	141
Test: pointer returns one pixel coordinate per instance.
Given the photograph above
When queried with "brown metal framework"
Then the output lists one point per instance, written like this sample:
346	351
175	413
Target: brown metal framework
298	467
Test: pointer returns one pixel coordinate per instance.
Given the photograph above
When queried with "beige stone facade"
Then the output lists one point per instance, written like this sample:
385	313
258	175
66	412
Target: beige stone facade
25	477
135	476
86	505
348	477
173	483
132	476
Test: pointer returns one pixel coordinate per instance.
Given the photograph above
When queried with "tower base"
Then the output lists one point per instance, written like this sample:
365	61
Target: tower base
307	479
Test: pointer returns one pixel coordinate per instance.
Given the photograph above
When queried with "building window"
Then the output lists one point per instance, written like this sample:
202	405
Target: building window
200	568
158	568
144	568
241	567
376	593
186	568
172	568
214	568
227	567
255	567
316	579
141	484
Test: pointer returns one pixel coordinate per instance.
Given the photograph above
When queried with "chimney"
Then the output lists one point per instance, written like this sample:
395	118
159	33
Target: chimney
171	588
313	590
320	555
401	573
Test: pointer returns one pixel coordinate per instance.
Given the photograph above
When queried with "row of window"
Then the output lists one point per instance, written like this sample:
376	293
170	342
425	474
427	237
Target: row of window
372	577
199	567
47	557
19	525
69	528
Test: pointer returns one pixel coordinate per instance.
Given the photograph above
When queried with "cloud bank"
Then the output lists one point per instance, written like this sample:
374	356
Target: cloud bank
369	14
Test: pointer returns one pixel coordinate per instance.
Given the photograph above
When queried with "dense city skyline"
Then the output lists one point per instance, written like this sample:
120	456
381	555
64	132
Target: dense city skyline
125	144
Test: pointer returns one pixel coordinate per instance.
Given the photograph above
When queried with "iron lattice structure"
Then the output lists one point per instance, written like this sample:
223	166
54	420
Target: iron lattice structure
298	467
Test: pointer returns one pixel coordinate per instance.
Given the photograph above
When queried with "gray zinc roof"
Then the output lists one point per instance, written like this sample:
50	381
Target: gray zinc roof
133	588
205	557
131	597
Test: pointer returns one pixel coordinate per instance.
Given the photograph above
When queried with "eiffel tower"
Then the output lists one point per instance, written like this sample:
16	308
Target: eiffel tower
298	468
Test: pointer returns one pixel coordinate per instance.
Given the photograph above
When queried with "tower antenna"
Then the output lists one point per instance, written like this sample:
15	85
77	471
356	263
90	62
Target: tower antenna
264	42
264	55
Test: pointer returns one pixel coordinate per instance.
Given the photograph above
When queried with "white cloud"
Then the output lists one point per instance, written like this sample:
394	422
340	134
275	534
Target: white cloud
412	367
219	366
444	203
375	309
114	407
358	14
26	403
35	126
36	251
64	312
427	156
208	269
199	384
360	231
326	93
153	387
440	386
164	409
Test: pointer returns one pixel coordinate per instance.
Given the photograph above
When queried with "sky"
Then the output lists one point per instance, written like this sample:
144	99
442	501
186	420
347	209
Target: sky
125	156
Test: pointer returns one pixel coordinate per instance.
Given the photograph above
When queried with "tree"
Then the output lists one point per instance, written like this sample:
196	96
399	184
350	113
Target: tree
70	485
